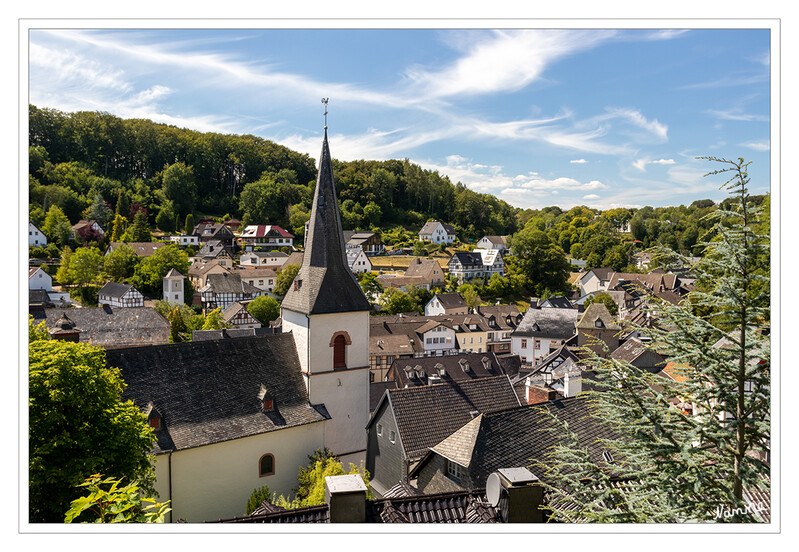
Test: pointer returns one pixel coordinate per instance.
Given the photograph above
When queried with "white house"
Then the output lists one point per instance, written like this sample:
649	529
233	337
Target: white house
272	259
437	232
184	241
446	303
39	279
358	261
173	287
494	242
596	279
466	266
119	295
492	261
35	236
266	236
261	278
437	337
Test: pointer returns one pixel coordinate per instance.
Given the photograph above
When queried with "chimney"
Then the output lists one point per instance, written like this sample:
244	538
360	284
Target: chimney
346	498
572	384
516	494
537	394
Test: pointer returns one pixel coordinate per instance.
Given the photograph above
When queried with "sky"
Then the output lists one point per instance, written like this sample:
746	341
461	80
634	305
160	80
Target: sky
601	117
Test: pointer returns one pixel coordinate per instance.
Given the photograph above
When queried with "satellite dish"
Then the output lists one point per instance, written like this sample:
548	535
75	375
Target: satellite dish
493	489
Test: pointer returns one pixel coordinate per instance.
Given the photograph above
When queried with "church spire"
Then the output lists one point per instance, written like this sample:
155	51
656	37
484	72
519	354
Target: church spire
324	283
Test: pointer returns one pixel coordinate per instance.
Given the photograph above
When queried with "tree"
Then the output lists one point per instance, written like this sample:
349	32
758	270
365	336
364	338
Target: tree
149	273
120	263
79	426
119	226
469	295
84	266
100	211
109	501
189	226
264	309
370	285
214	321
682	465
139	231
541	261
179	187
165	219
606	300
419	248
395	301
284	279
311	478
56	226
258	497
37	332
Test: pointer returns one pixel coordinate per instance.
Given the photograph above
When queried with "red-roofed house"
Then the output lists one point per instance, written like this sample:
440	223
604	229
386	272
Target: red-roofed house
266	236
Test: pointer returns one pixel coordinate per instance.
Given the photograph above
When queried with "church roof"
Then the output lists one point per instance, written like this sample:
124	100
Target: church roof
324	283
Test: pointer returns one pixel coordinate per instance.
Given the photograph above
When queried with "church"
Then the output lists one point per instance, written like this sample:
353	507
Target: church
233	415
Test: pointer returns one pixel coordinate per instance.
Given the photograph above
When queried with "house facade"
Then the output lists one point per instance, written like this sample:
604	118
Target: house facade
39	279
542	331
120	295
185	241
446	303
492	262
466	266
173	287
494	242
437	232
237	315
272	259
261	278
220	290
36	237
208	232
266	236
368	241
358	261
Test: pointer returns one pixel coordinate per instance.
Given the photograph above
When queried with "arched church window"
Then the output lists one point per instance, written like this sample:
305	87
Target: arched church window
339	352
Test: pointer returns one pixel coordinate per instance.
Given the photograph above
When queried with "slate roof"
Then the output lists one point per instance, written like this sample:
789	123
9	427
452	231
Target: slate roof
594	312
520	436
452	365
558	302
207	391
38	298
551	323
142	249
173	274
111	327
424	268
115	290
376	390
324	283
451	507
212	249
497	240
631	350
228	282
451	300
427	414
467	259
230	333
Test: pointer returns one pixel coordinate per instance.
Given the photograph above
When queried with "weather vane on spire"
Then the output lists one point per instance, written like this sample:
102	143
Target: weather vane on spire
324	101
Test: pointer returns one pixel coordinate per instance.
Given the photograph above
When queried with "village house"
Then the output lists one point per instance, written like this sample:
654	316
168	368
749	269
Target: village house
199	272
466	266
39	279
437	232
494	242
207	231
542	331
492	262
237	315
272	259
142	249
220	290
501	321
83	226
119	295
597	330
358	261
596	279
266	236
429	270
397	439
184	241
368	241
36	237
435	370
446	303
263	278
213	251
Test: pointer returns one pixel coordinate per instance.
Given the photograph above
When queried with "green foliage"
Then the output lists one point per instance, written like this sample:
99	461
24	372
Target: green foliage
139	231
681	465
258	497
56	226
82	267
540	261
469	295
119	226
179	188
311	478
370	285
189	226
165	219
395	301
120	263
420	248
214	320
149	273
264	309
604	299
109	502
79	426
284	279
37	332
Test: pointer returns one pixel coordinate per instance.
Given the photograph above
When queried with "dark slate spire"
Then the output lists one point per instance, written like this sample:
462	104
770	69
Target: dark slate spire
324	283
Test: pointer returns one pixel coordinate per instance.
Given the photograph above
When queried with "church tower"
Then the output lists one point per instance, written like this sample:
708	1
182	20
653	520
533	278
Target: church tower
328	315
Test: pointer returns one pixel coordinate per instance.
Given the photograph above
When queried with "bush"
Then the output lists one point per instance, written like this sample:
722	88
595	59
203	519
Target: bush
257	498
86	295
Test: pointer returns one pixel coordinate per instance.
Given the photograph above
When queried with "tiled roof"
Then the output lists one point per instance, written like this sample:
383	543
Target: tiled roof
230	333
629	351
173	274
428	227
257	272
497	240
376	391
324	283
182	380
228	282
467	259
551	323
261	230
597	312
451	300
261	254
111	327
427	414
424	268
142	249
198	269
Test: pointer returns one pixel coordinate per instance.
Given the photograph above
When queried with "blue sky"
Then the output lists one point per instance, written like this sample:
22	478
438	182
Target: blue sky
600	117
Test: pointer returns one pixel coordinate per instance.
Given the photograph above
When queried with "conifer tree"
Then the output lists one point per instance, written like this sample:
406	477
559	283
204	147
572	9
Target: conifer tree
687	446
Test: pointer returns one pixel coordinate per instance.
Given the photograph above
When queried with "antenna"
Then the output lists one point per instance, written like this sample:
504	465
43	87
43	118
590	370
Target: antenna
324	101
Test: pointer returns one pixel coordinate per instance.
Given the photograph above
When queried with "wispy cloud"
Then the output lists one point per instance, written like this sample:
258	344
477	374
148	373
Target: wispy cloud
578	161
737	114
728	81
503	61
641	164
758	145
591	196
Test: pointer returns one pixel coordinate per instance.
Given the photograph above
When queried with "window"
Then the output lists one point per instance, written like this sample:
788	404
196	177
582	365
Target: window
176	297
524	343
266	465
339	352
379	430
537	343
455	470
392	436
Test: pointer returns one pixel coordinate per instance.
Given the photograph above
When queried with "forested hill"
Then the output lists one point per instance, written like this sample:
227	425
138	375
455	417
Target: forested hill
172	172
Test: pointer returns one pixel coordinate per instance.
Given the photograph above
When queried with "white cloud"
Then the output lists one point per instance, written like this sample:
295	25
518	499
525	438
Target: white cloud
591	196
504	60
641	164
579	161
759	145
737	114
636	118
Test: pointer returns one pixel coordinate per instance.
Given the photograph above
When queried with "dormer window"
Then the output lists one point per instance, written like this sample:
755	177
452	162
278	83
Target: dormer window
599	323
266	400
